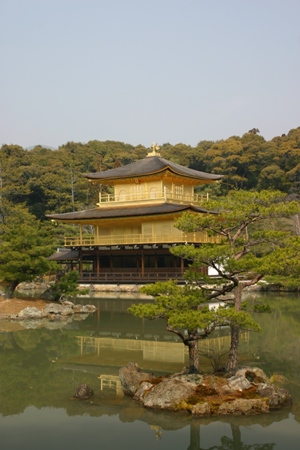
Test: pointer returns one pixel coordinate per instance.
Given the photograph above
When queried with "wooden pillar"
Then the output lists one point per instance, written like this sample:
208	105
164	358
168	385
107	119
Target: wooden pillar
182	265
143	264
80	231
80	262
97	262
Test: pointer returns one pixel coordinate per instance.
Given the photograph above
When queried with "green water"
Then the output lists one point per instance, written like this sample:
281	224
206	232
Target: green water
40	369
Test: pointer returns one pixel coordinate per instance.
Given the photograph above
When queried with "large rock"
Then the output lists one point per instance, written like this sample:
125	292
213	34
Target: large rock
34	288
31	312
85	309
142	389
277	397
48	294
168	394
131	376
192	378
238	383
253	374
83	392
201	409
242	406
57	309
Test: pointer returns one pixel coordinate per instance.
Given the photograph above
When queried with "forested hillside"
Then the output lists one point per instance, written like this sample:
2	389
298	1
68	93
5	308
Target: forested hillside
47	181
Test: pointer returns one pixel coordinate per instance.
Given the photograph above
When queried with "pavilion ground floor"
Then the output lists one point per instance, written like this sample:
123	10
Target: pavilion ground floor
128	264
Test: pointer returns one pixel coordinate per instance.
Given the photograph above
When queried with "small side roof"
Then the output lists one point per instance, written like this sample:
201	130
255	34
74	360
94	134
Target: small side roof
149	166
64	254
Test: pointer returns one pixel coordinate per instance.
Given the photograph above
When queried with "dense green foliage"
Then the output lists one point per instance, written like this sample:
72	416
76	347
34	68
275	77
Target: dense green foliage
67	286
186	310
253	242
257	238
43	181
187	314
49	181
25	243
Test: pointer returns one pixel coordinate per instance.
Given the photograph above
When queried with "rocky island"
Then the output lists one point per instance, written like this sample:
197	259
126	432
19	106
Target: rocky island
248	392
35	313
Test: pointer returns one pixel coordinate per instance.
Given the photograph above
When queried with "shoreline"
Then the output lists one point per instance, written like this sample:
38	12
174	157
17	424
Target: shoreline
9	306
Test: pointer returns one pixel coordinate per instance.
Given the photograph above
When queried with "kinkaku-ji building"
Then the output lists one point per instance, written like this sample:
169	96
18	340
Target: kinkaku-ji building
133	228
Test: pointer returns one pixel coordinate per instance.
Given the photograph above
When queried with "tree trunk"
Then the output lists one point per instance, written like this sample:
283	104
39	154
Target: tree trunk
235	335
233	352
11	288
193	356
236	436
194	436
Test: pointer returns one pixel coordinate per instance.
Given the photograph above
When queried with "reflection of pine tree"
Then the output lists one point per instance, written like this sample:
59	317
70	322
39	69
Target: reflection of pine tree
194	437
226	443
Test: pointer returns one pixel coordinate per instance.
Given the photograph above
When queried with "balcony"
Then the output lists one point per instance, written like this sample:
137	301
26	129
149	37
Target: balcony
150	197
140	239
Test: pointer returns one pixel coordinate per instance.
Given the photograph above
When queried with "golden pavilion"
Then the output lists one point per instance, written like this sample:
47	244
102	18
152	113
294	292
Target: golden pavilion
133	227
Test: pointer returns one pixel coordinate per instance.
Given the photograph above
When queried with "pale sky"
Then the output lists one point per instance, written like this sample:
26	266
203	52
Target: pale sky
139	71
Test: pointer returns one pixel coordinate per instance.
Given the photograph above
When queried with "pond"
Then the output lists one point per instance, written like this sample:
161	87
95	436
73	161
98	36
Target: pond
41	368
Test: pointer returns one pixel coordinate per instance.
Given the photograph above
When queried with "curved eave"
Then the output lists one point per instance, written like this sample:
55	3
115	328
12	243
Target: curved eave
142	169
100	214
208	179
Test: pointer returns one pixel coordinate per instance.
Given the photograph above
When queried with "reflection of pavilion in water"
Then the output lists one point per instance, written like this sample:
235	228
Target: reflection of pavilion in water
146	352
151	350
111	382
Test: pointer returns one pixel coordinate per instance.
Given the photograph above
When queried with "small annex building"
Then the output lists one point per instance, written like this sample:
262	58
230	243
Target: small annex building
133	227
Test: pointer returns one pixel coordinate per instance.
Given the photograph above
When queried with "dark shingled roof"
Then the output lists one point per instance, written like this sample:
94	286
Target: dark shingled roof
128	211
64	255
149	166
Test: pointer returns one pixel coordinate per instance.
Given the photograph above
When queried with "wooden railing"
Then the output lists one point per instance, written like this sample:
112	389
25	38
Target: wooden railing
164	195
140	239
129	277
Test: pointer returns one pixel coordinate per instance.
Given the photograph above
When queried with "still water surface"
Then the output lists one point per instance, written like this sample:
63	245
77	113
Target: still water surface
40	369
